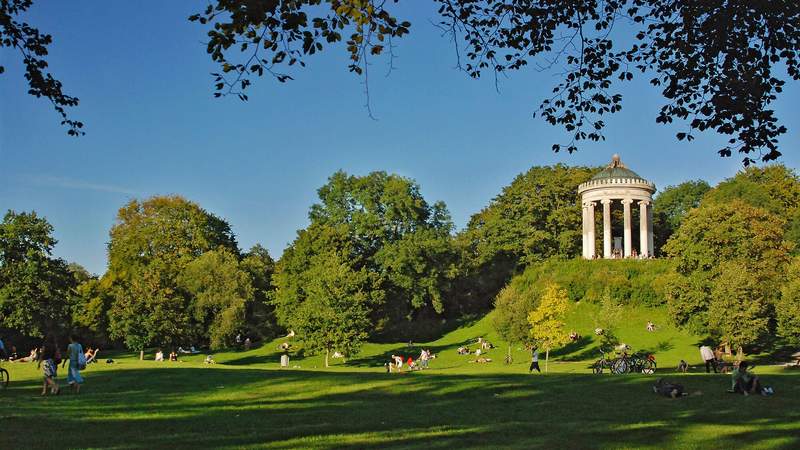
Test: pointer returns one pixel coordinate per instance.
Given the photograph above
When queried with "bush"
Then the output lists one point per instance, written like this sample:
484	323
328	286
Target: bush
629	282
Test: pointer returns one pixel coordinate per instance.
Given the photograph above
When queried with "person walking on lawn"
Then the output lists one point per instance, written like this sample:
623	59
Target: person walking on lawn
534	360
77	361
708	356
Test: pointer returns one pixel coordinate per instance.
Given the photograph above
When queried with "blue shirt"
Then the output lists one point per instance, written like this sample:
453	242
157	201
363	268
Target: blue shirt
73	350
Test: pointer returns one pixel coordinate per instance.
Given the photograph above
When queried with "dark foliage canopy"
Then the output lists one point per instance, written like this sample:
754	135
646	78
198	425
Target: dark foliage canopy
32	47
718	63
714	60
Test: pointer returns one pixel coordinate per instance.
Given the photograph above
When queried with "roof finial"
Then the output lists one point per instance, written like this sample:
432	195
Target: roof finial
615	161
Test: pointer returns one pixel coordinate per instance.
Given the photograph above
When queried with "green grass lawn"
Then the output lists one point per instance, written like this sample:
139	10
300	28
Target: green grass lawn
247	401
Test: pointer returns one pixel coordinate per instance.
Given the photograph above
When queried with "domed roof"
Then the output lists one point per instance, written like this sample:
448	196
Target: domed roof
616	170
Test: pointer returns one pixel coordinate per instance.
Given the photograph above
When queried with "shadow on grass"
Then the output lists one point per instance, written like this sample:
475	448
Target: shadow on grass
254	359
194	407
573	347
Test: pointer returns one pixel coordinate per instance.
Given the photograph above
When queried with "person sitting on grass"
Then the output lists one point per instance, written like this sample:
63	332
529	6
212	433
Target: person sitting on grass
91	355
209	360
463	350
173	356
744	382
398	361
159	355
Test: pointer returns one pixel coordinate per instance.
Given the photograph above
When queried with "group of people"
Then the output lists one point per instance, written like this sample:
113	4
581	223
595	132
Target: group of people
482	344
422	362
172	355
713	359
743	381
618	254
49	359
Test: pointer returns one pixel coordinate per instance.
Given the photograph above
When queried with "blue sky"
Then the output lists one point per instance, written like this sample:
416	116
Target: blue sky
153	127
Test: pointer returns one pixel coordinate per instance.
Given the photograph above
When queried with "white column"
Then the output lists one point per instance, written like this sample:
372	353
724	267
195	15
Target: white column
590	234
627	220
644	249
606	227
651	248
583	230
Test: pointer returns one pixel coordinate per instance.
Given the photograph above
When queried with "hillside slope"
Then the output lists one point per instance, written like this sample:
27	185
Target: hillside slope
669	345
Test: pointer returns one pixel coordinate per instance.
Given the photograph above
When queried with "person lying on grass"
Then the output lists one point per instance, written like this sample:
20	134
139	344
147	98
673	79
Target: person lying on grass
669	389
32	357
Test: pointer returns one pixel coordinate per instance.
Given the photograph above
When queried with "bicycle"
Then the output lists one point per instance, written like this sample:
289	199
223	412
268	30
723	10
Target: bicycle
648	366
602	364
4	378
636	363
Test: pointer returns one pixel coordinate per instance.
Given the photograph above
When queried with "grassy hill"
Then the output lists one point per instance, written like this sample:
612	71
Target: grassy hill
246	401
669	345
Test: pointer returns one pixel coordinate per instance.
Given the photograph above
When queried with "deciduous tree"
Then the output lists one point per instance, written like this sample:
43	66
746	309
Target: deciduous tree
671	205
35	288
741	302
547	320
711	237
260	315
510	320
323	292
219	292
536	217
152	242
393	233
788	305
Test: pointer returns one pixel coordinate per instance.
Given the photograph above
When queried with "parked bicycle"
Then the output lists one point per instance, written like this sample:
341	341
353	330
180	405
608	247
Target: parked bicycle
4	377
602	364
636	363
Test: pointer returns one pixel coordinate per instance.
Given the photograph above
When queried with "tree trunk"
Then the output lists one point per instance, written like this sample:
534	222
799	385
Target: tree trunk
326	357
546	359
509	351
141	355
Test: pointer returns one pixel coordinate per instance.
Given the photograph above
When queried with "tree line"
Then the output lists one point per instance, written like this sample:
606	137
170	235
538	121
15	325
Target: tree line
378	261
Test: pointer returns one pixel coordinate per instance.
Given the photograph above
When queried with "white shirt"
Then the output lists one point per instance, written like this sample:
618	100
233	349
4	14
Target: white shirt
706	353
